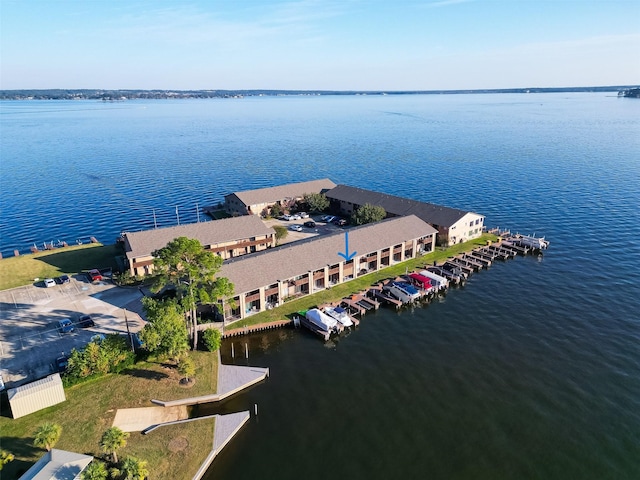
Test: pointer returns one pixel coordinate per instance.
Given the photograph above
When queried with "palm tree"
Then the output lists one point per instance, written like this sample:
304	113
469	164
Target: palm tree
5	457
47	435
134	469
95	471
112	440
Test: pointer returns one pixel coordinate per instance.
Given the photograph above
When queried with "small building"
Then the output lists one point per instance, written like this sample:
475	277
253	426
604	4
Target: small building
58	465
259	201
228	238
453	225
266	279
35	396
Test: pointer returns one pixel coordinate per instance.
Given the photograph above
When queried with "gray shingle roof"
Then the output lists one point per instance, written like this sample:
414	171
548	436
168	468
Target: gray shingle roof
429	212
292	190
140	244
253	271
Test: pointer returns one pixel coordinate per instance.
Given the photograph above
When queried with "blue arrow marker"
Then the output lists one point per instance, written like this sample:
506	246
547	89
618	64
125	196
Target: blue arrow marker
346	255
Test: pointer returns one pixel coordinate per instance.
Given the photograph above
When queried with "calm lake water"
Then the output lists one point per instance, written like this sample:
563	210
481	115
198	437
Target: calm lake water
530	371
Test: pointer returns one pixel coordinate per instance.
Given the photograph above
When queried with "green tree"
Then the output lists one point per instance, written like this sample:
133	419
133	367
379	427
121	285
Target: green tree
276	210
185	264
187	368
96	470
134	469
5	457
113	439
212	338
166	333
368	213
281	232
47	435
317	202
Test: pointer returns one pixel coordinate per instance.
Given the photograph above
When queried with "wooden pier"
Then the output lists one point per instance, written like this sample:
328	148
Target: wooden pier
260	327
379	294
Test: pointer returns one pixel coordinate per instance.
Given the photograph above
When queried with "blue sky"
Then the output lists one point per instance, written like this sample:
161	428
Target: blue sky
318	44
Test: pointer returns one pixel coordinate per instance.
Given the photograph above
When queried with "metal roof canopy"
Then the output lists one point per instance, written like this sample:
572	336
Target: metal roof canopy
58	465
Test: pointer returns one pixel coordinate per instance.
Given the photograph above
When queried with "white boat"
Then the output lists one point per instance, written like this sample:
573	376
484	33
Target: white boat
321	320
437	281
403	291
340	314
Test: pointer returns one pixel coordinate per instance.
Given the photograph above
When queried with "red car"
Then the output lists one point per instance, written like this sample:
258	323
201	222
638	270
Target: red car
94	275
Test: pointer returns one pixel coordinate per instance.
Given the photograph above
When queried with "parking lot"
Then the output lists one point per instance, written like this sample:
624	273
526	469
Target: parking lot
321	228
30	340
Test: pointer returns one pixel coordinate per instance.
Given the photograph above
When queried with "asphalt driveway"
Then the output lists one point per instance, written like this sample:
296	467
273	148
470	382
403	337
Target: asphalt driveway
30	341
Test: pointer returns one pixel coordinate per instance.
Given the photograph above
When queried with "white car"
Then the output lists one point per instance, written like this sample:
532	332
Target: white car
296	228
286	217
303	214
295	216
49	282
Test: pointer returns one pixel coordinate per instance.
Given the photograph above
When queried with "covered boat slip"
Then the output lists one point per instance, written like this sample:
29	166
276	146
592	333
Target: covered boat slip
266	279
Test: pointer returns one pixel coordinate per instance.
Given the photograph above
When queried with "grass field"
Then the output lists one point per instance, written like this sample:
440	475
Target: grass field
173	452
359	284
23	270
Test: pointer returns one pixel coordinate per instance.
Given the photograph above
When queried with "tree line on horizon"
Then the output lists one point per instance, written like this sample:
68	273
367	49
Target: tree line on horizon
130	94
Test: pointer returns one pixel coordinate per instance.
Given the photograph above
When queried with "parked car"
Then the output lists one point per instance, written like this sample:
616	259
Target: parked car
303	214
286	217
97	338
310	224
329	218
49	282
295	216
85	321
94	275
63	279
296	228
61	363
341	222
65	326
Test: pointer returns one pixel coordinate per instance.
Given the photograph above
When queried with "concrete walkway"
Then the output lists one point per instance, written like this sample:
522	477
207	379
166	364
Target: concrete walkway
226	427
231	379
139	419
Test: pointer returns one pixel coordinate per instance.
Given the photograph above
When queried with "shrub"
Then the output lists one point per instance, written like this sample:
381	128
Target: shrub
212	339
97	359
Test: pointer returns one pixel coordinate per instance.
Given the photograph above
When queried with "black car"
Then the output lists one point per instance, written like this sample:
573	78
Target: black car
341	222
85	321
61	363
63	279
310	224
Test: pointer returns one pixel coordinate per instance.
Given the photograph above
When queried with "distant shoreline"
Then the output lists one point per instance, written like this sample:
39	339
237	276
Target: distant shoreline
133	94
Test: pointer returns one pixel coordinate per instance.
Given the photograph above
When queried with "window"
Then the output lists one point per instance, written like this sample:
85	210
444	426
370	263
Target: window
477	221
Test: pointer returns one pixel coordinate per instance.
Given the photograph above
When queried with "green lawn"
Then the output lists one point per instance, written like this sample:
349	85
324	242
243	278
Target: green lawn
174	452
359	284
22	270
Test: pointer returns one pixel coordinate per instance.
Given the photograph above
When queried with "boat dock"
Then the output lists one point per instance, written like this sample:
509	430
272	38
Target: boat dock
456	269
302	320
361	303
378	293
